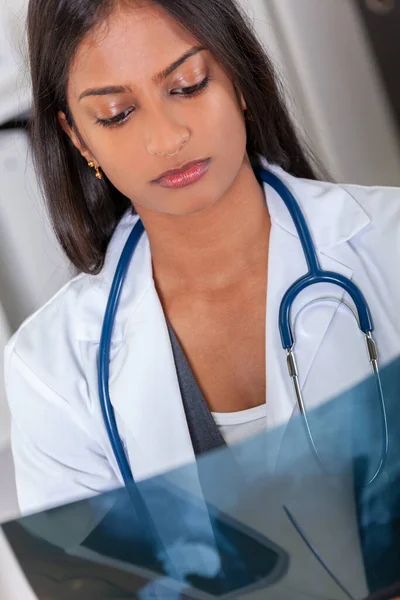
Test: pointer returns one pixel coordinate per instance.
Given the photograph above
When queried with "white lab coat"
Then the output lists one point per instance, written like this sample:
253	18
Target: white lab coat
60	445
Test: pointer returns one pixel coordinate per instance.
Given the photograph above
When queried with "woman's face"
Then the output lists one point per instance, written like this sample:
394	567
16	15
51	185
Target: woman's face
137	122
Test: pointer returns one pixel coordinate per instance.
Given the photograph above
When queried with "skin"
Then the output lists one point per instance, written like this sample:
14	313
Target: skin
209	241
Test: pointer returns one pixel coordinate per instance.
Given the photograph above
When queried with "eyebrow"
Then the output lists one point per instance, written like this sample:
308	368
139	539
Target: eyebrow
123	89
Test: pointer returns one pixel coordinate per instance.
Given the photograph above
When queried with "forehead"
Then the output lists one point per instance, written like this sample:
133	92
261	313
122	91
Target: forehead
132	45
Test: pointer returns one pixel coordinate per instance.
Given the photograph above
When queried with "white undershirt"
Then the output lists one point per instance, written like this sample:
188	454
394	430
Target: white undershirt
236	426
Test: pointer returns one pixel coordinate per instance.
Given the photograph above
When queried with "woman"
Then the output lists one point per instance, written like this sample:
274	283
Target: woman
164	106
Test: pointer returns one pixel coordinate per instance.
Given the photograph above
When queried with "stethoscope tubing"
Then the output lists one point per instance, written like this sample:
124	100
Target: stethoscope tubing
314	275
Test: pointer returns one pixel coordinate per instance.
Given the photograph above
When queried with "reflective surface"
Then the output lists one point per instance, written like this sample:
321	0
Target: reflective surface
259	520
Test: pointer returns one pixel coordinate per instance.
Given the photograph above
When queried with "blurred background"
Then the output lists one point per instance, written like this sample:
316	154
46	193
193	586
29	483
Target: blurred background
338	61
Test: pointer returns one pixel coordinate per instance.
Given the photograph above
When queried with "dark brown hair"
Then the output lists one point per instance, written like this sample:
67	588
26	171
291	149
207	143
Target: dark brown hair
85	211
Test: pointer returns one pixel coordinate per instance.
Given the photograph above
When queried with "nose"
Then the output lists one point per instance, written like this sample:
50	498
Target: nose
165	136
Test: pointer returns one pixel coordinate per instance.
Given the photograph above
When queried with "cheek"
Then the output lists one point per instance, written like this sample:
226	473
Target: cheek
226	124
122	159
127	172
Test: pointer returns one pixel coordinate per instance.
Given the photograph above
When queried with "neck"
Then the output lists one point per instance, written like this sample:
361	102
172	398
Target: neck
215	248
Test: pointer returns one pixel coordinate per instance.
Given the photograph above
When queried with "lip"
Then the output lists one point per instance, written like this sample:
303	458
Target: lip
186	175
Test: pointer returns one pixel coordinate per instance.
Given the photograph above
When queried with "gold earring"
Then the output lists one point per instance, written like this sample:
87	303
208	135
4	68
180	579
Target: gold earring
93	165
248	116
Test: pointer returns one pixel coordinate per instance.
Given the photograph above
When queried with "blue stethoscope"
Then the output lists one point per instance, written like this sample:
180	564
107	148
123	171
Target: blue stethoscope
314	275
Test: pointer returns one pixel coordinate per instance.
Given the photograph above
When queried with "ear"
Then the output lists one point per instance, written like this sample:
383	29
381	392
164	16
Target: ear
242	102
240	97
71	133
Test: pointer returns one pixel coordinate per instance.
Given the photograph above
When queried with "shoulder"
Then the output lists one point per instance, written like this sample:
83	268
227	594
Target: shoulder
367	217
339	212
52	341
381	203
46	345
380	206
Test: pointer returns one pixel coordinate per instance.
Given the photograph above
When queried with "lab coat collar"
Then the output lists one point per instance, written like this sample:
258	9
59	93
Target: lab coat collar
333	215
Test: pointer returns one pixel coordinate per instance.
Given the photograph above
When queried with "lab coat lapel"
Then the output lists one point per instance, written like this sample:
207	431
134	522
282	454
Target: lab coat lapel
151	419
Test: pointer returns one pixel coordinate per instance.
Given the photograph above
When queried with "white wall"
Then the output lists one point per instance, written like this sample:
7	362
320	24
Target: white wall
4	412
335	88
32	267
15	95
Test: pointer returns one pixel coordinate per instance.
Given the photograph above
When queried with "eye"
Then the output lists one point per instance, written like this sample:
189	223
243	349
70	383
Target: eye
193	90
117	120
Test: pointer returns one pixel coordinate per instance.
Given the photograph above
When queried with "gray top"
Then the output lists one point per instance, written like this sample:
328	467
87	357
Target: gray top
203	430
